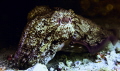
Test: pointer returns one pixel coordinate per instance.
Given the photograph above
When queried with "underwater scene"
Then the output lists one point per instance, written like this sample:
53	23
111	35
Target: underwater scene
60	35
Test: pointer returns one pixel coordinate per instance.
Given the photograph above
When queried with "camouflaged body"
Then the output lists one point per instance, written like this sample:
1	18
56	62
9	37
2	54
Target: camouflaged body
49	31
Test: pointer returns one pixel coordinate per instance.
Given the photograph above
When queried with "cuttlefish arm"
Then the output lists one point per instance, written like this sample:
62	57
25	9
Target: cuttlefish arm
98	47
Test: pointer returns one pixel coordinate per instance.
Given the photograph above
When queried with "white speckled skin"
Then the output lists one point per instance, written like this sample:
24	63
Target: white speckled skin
49	31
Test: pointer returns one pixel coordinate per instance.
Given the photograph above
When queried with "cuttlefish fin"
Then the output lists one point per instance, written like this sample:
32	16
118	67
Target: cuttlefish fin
103	44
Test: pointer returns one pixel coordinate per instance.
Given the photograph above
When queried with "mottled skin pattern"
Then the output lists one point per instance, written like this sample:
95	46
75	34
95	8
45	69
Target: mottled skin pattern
49	31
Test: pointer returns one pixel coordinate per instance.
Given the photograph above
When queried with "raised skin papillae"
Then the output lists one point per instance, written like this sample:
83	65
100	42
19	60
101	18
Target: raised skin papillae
49	31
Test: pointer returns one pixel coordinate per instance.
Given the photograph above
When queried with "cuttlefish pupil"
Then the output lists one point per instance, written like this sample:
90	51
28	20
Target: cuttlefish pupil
64	20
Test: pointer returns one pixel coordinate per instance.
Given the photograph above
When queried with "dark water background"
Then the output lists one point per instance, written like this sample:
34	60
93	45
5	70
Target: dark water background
13	14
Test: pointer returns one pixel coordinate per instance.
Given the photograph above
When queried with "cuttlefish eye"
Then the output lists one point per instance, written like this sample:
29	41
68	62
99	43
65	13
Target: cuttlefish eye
64	20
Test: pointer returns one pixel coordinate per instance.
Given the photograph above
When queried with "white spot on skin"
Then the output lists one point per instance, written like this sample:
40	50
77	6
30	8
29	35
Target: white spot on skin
79	47
72	46
60	46
85	26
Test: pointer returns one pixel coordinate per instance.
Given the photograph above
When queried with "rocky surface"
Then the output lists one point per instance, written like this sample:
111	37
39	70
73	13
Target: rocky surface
105	60
38	67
